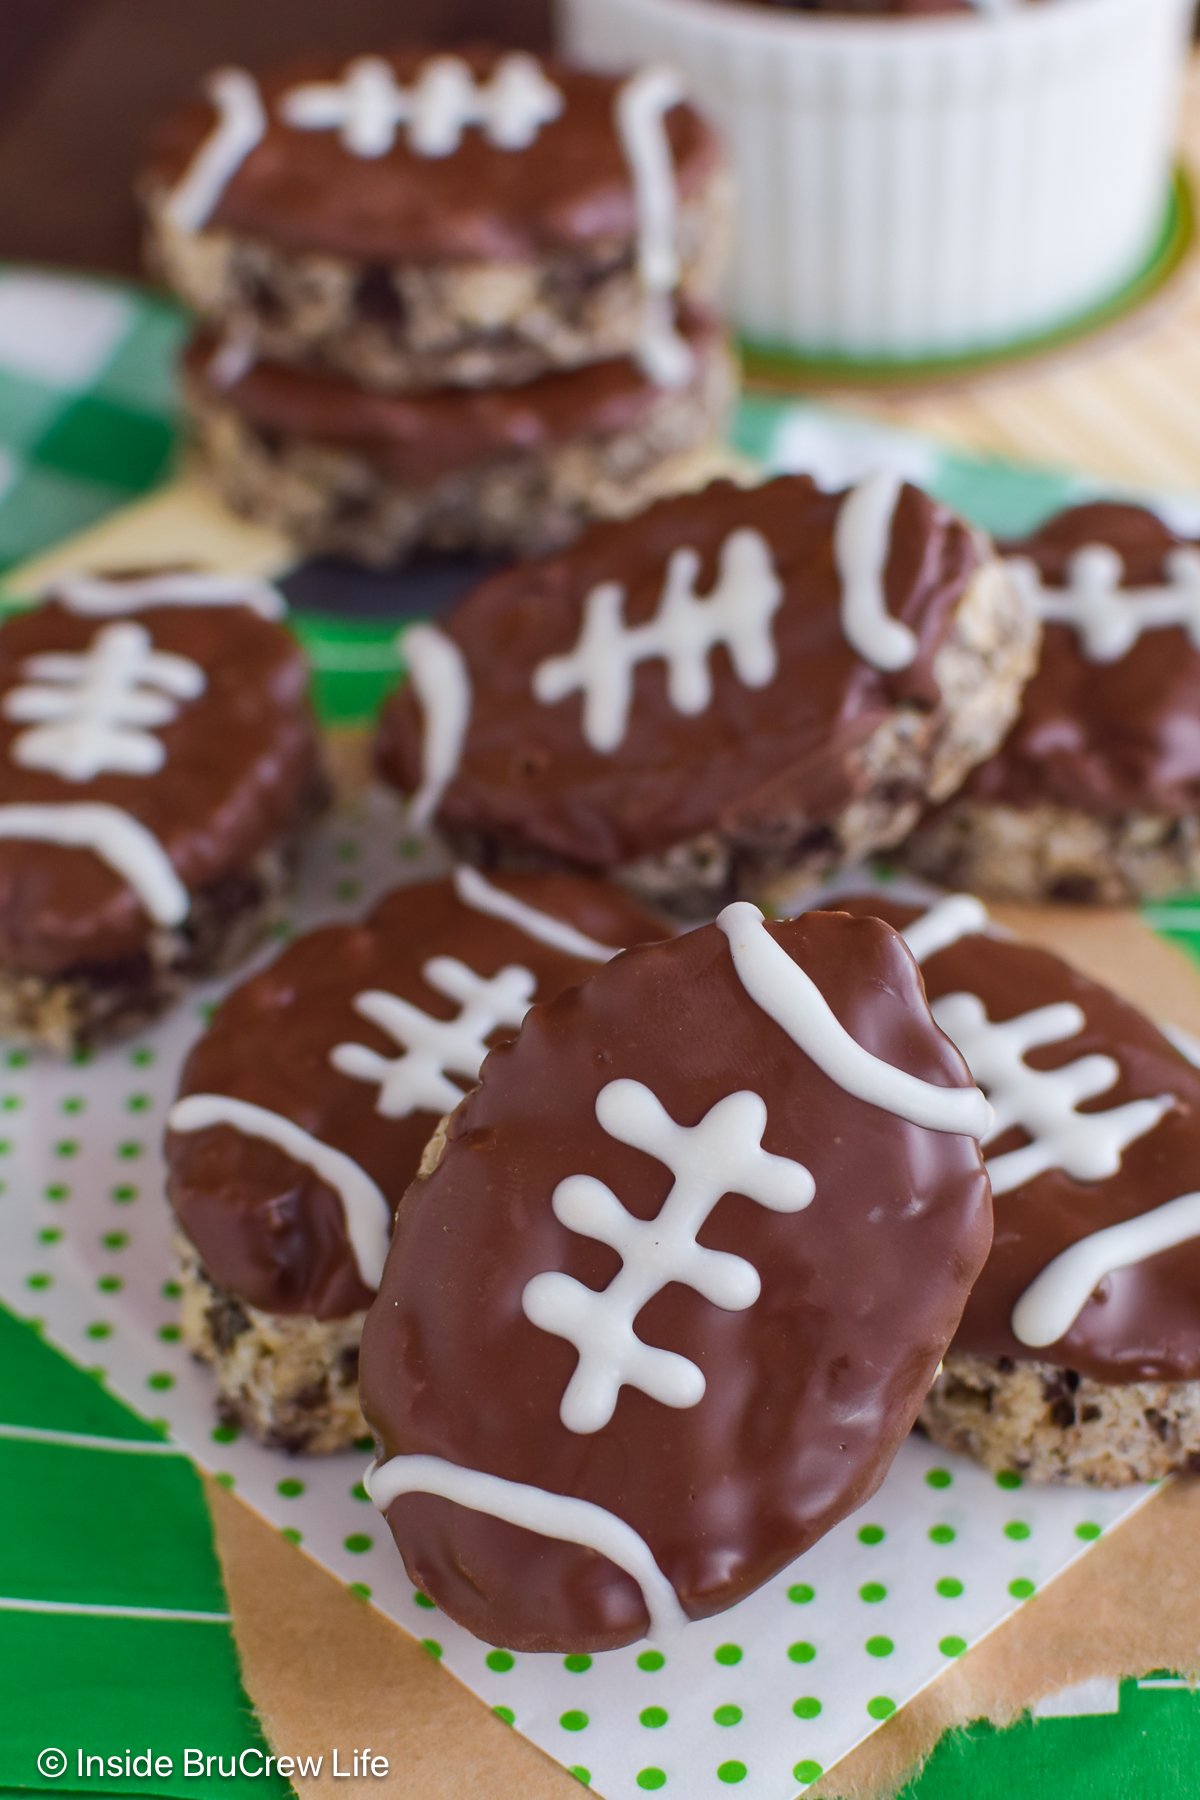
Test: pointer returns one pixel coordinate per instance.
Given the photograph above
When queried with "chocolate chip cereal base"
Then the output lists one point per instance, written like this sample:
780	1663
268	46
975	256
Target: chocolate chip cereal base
1078	1356
652	1323
419	220
728	694
1095	793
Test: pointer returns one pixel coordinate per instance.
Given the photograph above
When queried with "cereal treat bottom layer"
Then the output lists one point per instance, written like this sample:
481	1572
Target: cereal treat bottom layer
376	477
289	1380
1053	1424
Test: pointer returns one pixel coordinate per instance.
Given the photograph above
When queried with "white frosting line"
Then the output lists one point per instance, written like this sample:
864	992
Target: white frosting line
418	1080
438	672
862	544
721	1155
1052	1302
946	923
1109	619
96	596
97	1610
1044	1103
96	712
683	633
558	1516
787	995
368	104
119	839
477	892
240	124
641	108
367	1213
231	361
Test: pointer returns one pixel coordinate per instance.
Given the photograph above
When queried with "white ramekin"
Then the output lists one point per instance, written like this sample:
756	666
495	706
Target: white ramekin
926	188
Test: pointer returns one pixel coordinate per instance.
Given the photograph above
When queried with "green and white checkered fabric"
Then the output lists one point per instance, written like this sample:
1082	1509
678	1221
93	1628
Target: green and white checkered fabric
87	403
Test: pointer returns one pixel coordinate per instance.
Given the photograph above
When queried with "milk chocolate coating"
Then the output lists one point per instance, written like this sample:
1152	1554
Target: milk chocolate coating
809	1391
1142	1323
240	760
528	775
268	1229
304	191
1108	738
421	438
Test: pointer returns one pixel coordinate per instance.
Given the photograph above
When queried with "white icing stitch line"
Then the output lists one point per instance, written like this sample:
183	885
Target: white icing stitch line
117	838
241	122
1109	619
558	1516
474	890
368	104
438	672
684	631
101	597
96	712
862	543
946	923
418	1080
641	109
721	1155
787	995
1051	1304
82	1440
368	1216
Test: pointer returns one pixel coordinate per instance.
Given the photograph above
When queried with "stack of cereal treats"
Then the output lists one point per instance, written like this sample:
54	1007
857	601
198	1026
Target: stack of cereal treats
458	301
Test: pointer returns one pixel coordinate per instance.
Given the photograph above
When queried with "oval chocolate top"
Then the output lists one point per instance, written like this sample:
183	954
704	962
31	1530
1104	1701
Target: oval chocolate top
362	1037
706	664
152	743
400	173
673	1292
420	438
1110	723
1082	1151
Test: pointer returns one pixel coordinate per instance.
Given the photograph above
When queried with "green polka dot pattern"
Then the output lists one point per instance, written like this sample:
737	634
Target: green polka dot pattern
757	1702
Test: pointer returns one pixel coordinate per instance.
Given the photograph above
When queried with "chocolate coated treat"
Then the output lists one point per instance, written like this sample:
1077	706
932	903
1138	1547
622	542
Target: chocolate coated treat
668	1302
158	758
1093	1162
359	1038
344	470
424	218
1095	792
733	685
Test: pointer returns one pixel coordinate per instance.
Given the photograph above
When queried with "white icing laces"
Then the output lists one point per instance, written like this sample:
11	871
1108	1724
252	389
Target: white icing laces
721	1155
474	890
434	1049
862	543
368	105
95	713
1045	1103
366	1212
683	633
641	110
1108	619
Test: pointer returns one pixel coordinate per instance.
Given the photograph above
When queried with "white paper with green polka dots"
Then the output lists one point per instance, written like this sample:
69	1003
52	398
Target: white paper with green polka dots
761	1700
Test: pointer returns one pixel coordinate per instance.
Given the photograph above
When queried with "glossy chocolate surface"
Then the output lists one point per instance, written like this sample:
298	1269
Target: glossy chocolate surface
809	1390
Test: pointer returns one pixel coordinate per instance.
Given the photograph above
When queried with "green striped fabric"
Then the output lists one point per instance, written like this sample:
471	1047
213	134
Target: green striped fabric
114	1629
